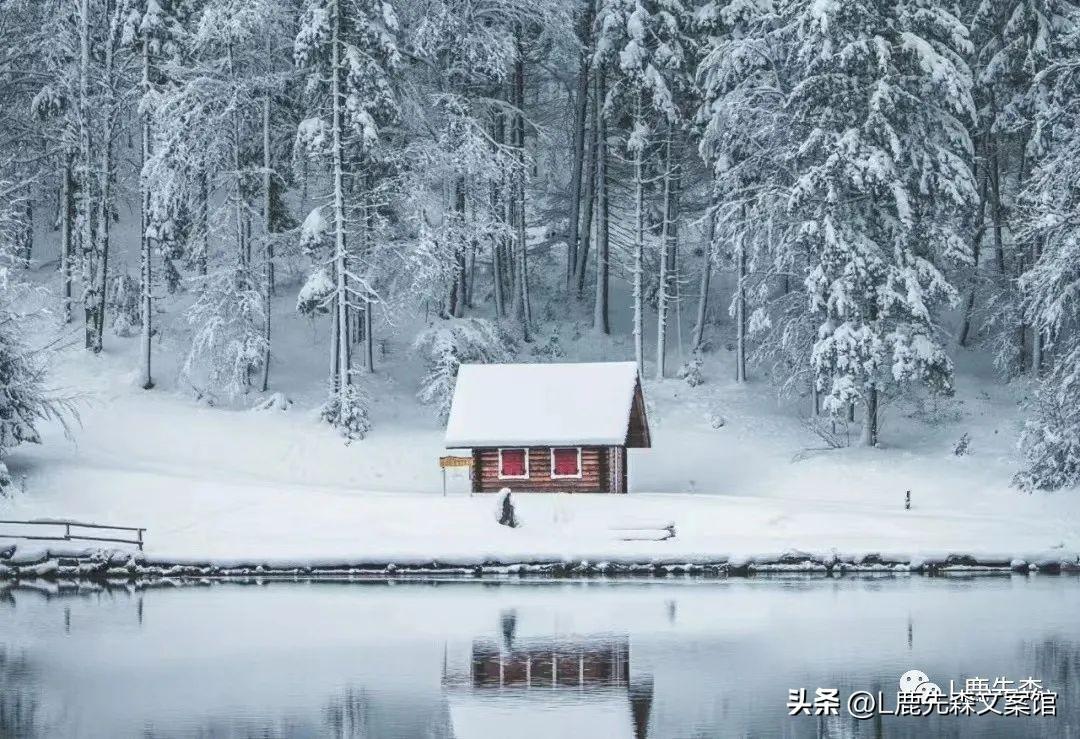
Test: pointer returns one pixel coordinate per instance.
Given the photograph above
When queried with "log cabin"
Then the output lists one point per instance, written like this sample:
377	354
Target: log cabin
548	427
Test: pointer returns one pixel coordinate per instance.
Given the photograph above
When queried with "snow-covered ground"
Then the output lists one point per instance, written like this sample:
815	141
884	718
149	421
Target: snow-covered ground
233	484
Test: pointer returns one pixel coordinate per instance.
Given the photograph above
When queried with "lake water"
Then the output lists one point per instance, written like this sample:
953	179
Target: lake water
552	659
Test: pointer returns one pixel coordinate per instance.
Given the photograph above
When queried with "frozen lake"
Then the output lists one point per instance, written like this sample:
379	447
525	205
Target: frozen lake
604	659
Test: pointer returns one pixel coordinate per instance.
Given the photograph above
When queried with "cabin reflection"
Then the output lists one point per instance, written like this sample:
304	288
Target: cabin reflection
586	680
550	665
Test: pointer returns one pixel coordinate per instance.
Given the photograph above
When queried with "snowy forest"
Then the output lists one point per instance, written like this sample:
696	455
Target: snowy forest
842	196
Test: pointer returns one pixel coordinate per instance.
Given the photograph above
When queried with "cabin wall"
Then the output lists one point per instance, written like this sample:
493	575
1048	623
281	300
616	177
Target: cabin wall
595	472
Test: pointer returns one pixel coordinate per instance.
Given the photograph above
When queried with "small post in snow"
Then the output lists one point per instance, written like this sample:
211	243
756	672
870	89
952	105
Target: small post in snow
907	501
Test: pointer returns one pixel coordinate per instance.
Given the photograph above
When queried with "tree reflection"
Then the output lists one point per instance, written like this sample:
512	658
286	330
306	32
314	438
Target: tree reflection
20	710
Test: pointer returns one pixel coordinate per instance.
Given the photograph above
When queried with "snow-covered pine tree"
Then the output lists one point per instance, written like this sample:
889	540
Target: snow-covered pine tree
150	29
447	345
1013	42
110	82
746	141
1049	214
349	48
880	94
228	345
459	177
24	399
677	55
204	123
642	44
55	106
585	15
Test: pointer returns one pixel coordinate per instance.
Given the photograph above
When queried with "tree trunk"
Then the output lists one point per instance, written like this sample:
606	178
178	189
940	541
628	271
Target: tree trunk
460	283
202	221
95	329
28	228
499	138
601	320
703	290
340	259
870	426
369	337
146	255
581	100
524	309
368	306
67	235
995	194
268	248
1037	344
639	246
590	189
669	239
86	166
976	249
242	246
740	309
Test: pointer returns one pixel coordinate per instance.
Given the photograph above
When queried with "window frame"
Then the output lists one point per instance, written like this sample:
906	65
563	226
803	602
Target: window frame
554	476
525	451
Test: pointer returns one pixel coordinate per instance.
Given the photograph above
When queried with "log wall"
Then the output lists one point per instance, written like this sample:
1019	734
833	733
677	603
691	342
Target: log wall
595	473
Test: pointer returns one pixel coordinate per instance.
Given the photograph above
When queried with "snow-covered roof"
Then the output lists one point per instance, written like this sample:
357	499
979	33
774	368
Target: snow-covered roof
542	404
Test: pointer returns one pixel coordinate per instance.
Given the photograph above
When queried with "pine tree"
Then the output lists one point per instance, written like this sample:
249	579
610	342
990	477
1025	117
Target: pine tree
24	400
1013	42
642	43
746	139
880	95
350	49
151	29
1049	289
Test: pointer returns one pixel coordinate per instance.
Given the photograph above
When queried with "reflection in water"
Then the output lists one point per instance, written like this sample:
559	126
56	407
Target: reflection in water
19	708
349	715
579	675
463	660
569	664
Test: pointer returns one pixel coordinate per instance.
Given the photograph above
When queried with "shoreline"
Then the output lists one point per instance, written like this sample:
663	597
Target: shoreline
122	566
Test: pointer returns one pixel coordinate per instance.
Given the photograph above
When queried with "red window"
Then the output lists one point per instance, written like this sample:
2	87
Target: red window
566	462
513	463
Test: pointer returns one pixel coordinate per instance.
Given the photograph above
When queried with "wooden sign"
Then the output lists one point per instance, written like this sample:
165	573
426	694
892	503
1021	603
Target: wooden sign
445	462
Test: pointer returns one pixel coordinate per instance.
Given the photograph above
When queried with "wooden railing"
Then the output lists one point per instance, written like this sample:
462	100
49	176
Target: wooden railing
68	535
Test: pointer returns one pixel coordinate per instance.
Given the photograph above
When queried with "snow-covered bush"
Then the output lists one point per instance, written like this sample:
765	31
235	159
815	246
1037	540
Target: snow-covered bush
347	411
316	294
275	402
935	409
229	344
23	402
315	232
1051	444
551	349
691	371
963	445
124	305
447	345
